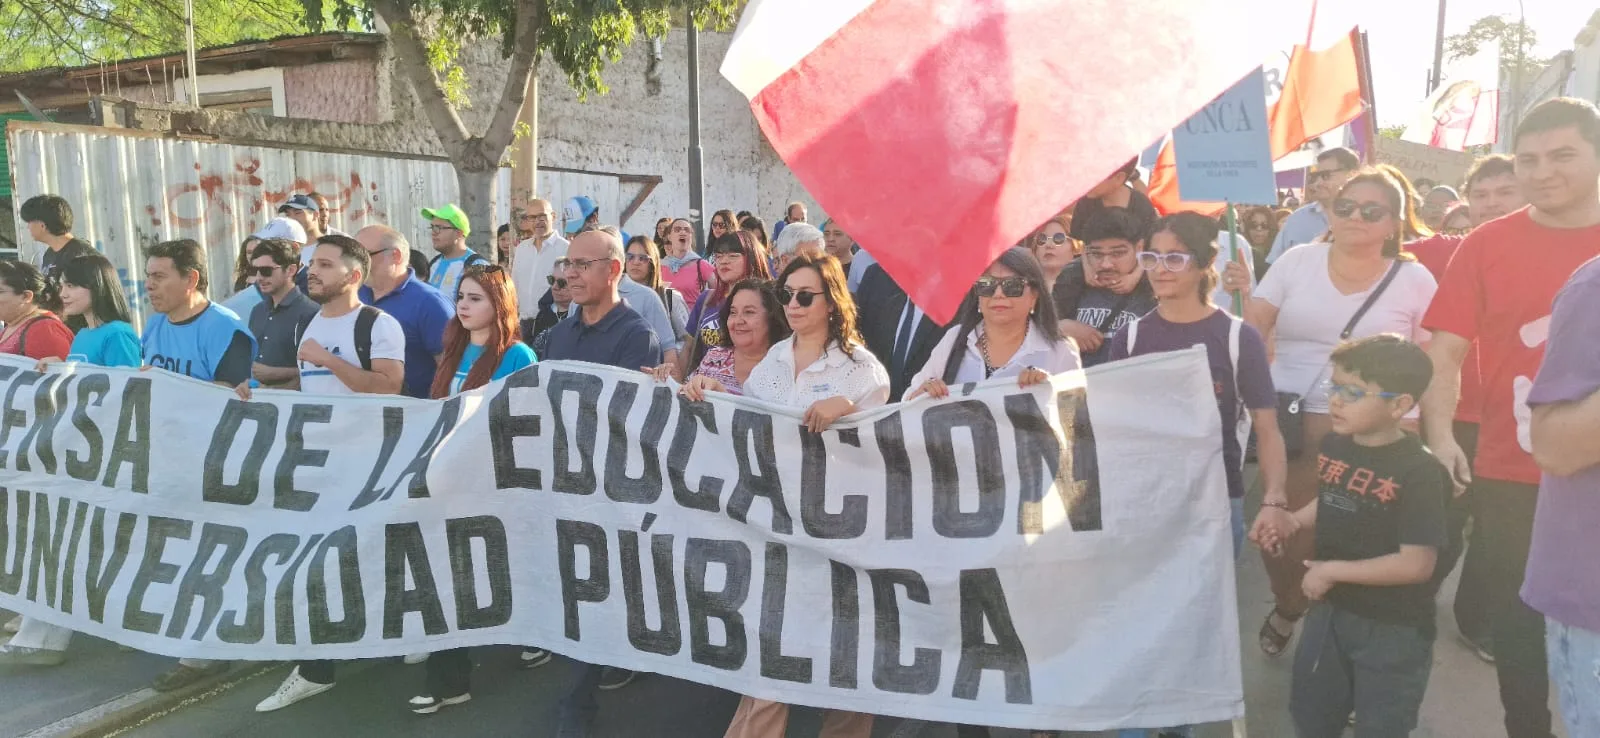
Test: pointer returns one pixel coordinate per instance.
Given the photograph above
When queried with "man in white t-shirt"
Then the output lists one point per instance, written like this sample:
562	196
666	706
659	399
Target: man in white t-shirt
533	261
349	348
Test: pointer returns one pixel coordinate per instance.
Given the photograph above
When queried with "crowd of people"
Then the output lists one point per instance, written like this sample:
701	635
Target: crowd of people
1396	373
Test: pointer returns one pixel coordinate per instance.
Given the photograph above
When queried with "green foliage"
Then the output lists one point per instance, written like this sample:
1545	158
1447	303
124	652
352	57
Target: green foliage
1516	44
48	33
1394	132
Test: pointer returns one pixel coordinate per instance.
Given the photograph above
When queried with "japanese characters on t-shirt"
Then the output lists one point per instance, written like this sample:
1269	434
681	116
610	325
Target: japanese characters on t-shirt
1371	501
338	336
1497	291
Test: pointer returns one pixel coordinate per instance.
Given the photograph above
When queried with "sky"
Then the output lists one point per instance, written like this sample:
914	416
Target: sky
1402	37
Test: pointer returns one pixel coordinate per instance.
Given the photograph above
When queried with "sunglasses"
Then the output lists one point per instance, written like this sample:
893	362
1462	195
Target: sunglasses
787	296
640	258
1057	239
1010	286
556	281
1174	261
1352	393
1324	174
1371	212
263	271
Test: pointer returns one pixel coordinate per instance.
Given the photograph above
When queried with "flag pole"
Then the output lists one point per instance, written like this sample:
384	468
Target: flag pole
1232	221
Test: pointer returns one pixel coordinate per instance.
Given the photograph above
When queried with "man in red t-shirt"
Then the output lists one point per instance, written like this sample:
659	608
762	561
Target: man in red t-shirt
1492	192
1497	291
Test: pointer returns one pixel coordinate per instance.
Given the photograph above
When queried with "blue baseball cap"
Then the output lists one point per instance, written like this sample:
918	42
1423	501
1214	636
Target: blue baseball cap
577	211
300	202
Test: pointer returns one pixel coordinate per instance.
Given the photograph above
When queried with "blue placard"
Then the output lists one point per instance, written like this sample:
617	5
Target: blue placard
1223	151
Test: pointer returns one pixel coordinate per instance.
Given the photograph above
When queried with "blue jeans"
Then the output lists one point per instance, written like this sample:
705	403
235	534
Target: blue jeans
1575	672
576	712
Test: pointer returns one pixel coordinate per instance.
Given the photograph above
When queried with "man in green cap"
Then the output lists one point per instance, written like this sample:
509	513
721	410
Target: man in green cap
450	230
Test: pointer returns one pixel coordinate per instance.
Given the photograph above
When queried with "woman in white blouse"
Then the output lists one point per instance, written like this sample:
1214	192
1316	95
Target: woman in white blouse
1007	328
1303	307
825	369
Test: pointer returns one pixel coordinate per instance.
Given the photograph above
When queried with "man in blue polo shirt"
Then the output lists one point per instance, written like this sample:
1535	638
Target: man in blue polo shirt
421	309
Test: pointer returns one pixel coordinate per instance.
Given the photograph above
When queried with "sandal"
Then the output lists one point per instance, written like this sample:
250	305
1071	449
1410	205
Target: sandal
1273	641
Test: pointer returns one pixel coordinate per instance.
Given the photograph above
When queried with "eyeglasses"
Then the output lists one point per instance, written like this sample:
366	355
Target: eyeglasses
638	258
535	216
1172	261
1010	286
786	296
1371	212
578	265
265	271
1106	255
1057	239
1350	393
436	228
555	281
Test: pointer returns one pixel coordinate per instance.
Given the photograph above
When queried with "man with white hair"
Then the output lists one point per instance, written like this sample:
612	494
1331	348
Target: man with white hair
797	238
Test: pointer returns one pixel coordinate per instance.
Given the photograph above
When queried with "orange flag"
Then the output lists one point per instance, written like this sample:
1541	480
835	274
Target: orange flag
1321	91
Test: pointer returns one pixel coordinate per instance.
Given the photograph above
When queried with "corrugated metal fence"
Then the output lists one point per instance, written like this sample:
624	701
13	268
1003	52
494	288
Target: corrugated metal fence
131	189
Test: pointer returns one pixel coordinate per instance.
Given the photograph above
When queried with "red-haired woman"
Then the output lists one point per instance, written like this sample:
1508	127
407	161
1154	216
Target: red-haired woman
482	343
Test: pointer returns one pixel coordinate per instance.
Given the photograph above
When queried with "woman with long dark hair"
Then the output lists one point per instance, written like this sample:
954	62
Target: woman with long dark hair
1359	283
91	291
644	266
737	257
30	330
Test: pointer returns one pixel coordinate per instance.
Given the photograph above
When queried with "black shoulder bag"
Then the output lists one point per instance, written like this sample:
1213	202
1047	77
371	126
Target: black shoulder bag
1290	421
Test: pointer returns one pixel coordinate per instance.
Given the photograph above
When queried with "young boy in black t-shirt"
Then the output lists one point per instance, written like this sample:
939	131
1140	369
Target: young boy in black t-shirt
1379	519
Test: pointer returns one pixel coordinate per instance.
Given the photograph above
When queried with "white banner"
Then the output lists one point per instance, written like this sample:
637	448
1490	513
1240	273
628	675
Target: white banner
1051	558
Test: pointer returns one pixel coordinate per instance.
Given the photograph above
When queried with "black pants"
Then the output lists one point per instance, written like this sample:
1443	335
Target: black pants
449	673
1348	663
1504	530
320	672
1472	601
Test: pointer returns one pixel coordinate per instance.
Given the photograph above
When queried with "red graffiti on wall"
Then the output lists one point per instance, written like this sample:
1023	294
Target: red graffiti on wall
213	202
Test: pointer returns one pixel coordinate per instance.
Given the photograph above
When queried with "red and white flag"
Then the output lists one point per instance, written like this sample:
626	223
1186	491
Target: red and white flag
1464	110
940	132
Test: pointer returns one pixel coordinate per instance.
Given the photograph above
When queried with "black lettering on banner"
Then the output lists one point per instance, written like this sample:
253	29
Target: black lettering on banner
722	605
460	532
846	638
668	639
14	537
587	387
198	583
758	470
570	534
417	470
939	424
253	627
921	676
645	488
69	566
341	542
1040	460
1082	496
131	445
707	495
12	417
284	603
264	418
92	391
774	587
394	423
48	400
404	550
285	496
152	570
851	520
897	496
47	541
983	600
104	565
505	429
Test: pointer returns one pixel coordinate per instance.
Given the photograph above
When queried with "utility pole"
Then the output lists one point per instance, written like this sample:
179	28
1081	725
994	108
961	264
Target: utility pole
194	73
1516	74
696	188
1438	51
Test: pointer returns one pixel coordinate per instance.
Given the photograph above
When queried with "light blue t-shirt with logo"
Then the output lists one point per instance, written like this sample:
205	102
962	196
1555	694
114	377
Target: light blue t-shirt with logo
445	274
108	344
198	346
516	357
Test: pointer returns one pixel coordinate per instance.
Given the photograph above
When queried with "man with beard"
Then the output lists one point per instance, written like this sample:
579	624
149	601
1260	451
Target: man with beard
1105	289
349	348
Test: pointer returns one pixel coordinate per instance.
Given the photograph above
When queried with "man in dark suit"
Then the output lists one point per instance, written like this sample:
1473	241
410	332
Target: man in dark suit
895	329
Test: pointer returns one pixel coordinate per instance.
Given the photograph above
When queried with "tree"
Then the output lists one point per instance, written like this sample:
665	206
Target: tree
580	36
1394	132
48	33
1516	45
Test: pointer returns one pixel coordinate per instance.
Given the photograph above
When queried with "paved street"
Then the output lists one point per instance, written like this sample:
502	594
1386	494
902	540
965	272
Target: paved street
1462	699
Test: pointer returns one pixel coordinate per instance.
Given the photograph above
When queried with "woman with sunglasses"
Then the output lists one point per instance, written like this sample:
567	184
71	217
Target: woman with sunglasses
553	307
643	267
681	265
1317	295
737	257
723	222
91	291
1260	227
825	369
1054	248
245	294
481	345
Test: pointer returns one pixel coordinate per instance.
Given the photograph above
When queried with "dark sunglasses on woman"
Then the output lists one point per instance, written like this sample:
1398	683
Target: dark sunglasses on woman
1370	212
1057	239
1010	286
786	295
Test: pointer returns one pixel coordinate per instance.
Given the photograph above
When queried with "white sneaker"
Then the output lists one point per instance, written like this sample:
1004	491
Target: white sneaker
13	625
413	659
293	689
427	705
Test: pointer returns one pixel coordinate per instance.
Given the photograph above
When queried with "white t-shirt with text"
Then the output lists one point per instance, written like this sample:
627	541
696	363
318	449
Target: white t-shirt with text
338	336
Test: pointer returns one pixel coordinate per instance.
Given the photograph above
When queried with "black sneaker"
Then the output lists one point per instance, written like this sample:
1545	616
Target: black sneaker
615	678
428	704
532	658
1483	648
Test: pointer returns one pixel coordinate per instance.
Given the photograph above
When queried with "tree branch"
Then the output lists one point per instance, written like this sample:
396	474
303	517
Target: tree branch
524	55
411	53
